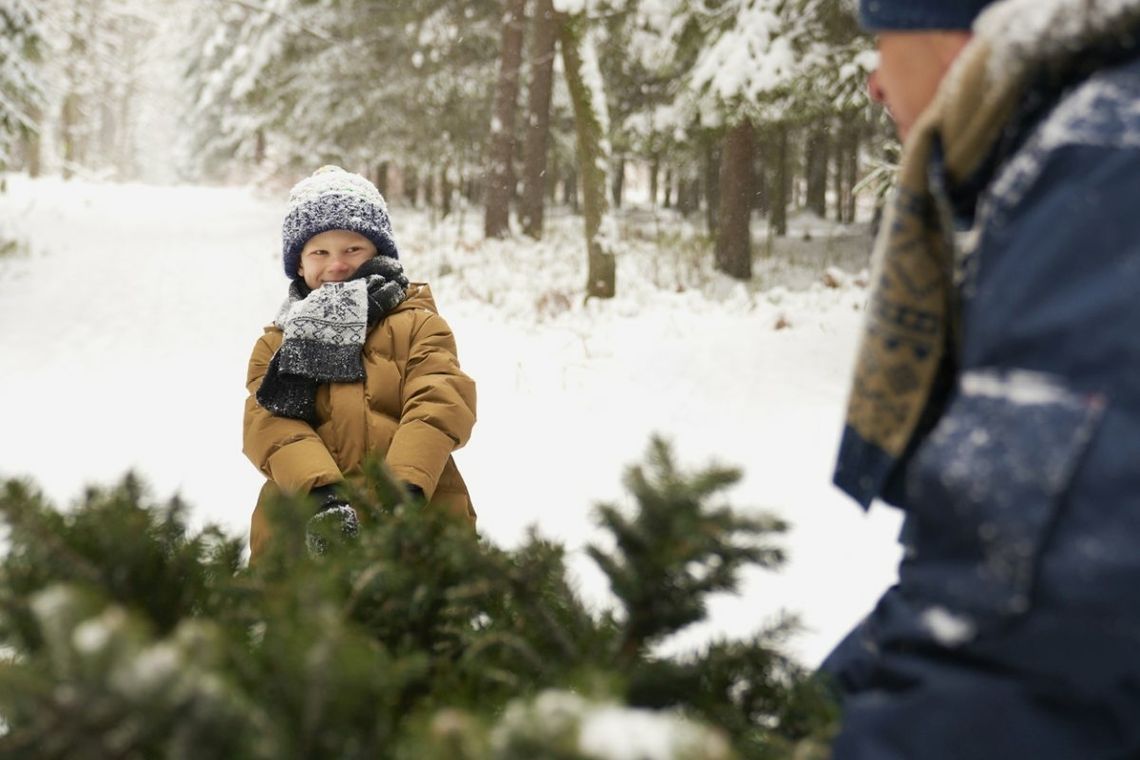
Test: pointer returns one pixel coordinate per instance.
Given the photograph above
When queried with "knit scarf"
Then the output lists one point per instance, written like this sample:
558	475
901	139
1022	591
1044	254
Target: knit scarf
912	316
324	335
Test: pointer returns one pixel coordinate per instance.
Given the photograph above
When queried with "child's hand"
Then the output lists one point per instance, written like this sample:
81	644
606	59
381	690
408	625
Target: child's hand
415	493
334	525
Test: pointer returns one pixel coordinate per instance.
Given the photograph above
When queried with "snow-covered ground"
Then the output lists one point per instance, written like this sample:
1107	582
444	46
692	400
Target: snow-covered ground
127	319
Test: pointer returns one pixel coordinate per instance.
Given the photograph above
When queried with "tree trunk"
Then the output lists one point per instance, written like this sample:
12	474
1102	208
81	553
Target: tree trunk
617	182
543	37
108	135
779	194
500	176
590	119
553	180
733	240
33	144
840	165
654	171
69	126
762	153
816	160
259	147
570	191
430	191
445	191
711	170
72	106
688	193
381	179
668	187
411	186
852	173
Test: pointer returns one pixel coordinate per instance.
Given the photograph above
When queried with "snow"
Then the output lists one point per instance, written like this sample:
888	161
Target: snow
128	320
571	7
596	87
1021	387
750	59
948	628
93	635
1021	33
605	731
52	605
153	670
612	732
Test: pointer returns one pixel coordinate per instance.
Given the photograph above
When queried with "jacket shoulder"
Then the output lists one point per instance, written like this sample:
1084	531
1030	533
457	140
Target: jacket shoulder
1095	123
419	298
271	336
1099	111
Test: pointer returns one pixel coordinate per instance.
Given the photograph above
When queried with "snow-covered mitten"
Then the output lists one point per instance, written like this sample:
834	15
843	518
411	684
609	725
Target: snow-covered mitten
334	525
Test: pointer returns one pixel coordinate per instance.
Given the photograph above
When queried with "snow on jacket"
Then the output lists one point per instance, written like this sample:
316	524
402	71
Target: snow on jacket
413	409
1015	625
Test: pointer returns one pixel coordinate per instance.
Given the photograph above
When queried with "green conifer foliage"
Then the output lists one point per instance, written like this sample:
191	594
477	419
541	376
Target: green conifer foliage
124	633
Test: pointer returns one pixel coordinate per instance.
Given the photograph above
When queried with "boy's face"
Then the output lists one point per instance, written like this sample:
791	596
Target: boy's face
333	256
911	66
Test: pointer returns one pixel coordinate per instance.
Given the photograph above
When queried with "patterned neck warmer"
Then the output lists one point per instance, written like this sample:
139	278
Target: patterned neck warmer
910	330
324	335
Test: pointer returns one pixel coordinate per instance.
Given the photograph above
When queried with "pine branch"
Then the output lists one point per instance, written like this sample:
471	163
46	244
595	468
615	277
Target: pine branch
675	551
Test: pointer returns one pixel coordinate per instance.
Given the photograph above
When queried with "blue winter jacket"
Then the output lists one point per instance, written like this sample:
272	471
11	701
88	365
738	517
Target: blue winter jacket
1014	630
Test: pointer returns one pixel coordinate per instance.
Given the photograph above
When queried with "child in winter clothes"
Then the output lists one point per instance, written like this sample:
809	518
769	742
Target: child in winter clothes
357	363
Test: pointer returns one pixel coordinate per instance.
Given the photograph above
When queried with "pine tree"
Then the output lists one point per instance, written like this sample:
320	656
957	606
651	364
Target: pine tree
126	634
21	85
289	84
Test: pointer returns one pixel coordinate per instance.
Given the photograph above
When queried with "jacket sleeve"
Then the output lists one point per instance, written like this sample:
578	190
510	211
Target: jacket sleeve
289	452
438	407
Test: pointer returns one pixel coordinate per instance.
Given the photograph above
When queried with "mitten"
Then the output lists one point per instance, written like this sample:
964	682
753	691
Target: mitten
415	492
335	523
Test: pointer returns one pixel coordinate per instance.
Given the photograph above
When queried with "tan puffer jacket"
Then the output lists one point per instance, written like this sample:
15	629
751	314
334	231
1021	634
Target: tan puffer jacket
414	407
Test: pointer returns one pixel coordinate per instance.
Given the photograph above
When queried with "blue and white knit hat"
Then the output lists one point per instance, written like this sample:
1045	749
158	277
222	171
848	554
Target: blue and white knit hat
333	199
919	15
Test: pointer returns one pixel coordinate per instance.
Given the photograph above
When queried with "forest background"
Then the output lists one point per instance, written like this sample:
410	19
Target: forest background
726	111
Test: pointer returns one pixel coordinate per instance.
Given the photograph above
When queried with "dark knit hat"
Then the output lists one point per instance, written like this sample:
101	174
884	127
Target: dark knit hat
919	15
333	199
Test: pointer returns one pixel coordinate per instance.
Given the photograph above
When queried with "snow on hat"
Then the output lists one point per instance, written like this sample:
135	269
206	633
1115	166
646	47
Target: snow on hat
919	15
333	199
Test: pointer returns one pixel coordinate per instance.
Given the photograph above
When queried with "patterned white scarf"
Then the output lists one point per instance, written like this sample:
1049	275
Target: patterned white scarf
324	335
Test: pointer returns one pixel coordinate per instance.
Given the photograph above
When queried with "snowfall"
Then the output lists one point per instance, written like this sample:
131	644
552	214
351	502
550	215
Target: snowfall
129	312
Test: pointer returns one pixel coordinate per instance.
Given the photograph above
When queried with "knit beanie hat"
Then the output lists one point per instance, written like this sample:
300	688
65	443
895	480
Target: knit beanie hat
919	15
333	199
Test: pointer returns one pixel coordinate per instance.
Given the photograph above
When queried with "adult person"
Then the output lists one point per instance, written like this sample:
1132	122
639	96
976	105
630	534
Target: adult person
996	397
358	363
